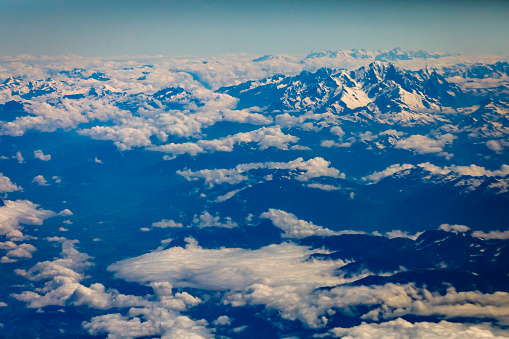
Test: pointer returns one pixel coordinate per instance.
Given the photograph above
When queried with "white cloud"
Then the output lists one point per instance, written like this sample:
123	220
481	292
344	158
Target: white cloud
58	239
165	223
494	145
223	320
157	321
477	234
337	131
229	268
124	137
387	301
228	195
491	234
40	155
207	220
392	132
7	245
66	212
21	251
264	137
377	176
19	157
217	176
294	227
454	228
472	170
98	161
401	234
425	145
400	329
19	212
366	136
332	143
324	187
62	286
40	180
312	168
6	185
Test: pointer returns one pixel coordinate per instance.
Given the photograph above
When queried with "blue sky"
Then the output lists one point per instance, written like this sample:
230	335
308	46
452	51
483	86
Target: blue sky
201	28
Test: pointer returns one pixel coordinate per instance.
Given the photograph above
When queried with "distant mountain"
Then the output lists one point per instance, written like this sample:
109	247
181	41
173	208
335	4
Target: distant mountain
377	88
269	57
380	55
175	98
478	70
398	54
360	54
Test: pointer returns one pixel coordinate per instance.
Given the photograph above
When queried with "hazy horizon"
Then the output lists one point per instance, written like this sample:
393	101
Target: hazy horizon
204	28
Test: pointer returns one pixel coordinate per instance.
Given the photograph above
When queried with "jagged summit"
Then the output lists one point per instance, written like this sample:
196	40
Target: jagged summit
383	84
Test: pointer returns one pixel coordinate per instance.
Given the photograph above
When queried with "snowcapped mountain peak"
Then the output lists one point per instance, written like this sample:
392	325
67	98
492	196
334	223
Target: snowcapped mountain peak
270	57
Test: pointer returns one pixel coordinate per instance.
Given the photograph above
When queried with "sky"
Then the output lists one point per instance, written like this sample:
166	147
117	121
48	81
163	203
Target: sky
204	28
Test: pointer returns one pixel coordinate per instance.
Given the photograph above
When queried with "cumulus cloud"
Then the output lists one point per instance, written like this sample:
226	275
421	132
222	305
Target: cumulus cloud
312	168
229	268
400	234
19	157
454	228
332	143
6	185
399	329
66	212
424	145
165	223
324	187
40	180
62	286
217	176
124	137
491	234
337	131
389	171
156	322
494	145
223	320
477	234
294	227
392	132
40	155
12	215
472	171
264	137
389	301
18	212
207	220
228	195
21	251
